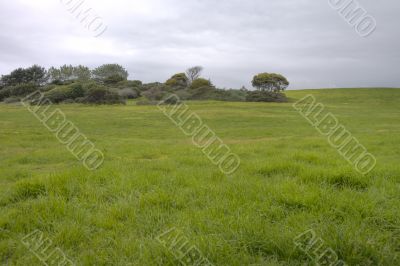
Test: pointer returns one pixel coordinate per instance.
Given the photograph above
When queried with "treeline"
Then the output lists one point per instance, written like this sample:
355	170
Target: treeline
109	84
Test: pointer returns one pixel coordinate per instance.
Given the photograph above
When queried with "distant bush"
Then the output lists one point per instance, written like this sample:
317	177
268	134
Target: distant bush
128	93
63	93
113	79
12	99
24	89
229	95
102	95
178	81
5	93
156	93
265	96
18	90
199	83
183	95
202	93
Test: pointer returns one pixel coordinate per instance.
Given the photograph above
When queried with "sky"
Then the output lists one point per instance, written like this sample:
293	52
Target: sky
307	41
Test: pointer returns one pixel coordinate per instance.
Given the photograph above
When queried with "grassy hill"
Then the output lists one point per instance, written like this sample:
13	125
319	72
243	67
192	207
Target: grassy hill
153	179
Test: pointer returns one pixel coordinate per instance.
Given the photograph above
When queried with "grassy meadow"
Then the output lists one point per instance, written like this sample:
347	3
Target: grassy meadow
153	179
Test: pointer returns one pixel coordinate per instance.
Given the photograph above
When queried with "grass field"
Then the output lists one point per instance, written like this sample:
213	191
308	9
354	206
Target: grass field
154	179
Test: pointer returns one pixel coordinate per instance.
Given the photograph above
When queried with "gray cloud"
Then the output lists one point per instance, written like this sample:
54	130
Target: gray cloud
305	40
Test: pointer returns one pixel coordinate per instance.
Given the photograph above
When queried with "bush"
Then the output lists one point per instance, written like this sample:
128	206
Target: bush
229	95
5	93
63	93
18	90
178	81
155	93
23	89
12	99
200	82
128	93
183	95
202	93
102	95
265	96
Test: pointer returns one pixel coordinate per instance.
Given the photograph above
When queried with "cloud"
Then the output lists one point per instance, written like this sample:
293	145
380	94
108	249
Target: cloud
307	41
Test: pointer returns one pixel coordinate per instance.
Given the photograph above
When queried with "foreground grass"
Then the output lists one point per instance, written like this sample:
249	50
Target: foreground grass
153	179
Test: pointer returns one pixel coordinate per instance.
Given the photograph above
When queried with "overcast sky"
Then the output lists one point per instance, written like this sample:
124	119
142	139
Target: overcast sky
305	40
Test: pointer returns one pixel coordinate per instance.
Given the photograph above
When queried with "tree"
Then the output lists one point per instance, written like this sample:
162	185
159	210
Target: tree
69	73
193	73
35	74
178	81
109	72
270	82
200	82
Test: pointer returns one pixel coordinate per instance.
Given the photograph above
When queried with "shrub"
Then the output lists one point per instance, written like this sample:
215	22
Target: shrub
155	93
24	89
183	94
113	79
200	82
202	93
229	95
63	93
178	81
5	93
102	95
265	96
12	99
128	93
58	94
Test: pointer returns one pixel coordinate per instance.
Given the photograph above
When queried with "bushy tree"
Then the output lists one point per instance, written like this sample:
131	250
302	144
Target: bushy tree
69	73
34	74
109	72
200	82
270	82
194	73
178	81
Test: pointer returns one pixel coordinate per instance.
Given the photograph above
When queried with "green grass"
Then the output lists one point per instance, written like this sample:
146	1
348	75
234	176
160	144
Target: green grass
153	178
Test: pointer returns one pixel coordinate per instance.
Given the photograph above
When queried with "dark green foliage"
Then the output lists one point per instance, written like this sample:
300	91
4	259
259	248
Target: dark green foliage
270	82
229	95
5	93
64	93
18	90
265	96
178	81
108	73
34	74
102	95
